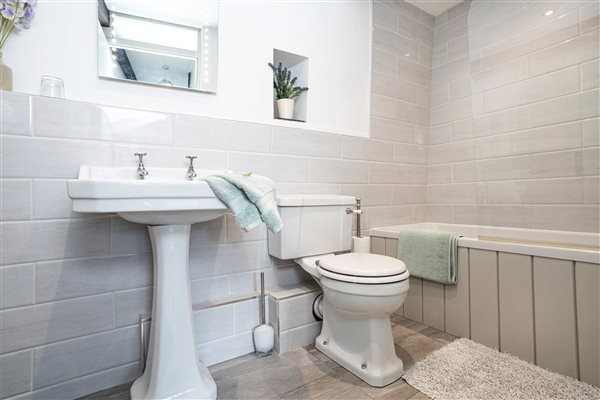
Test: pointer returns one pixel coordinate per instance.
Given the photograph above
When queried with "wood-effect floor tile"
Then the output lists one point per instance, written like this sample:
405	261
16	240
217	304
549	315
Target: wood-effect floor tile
327	387
420	396
306	373
399	390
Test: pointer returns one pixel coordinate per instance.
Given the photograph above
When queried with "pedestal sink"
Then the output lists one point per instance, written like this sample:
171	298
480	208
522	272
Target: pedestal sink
168	204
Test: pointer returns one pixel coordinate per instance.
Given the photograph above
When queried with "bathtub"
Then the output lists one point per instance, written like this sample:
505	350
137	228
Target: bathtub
530	293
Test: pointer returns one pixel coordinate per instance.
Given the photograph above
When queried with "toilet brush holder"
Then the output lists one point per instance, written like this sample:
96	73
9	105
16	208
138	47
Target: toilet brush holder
264	339
264	335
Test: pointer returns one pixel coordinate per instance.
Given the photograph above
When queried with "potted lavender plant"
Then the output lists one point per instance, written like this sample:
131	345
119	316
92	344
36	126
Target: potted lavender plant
15	14
285	91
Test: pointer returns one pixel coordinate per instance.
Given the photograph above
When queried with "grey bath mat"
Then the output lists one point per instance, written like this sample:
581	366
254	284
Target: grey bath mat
468	370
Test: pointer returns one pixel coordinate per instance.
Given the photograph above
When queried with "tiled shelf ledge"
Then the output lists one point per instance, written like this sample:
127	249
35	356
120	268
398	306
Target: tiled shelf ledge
290	313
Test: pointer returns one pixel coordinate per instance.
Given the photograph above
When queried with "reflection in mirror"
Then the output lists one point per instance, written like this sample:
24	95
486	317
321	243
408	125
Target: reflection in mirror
146	42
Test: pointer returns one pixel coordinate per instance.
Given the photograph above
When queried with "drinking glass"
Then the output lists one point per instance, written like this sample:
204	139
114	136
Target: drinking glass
52	86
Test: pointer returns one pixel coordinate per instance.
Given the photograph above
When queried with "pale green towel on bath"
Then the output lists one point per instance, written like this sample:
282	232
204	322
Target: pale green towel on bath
250	197
429	255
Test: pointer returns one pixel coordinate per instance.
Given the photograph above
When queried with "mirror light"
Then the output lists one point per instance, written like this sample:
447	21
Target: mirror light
144	38
156	32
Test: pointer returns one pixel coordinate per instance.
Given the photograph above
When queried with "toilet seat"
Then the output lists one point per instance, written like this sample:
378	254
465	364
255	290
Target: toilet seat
362	268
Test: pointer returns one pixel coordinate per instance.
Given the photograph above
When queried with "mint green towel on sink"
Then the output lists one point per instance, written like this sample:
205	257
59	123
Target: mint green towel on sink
429	255
250	197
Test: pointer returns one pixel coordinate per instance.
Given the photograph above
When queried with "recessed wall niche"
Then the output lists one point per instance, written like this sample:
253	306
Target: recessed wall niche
299	66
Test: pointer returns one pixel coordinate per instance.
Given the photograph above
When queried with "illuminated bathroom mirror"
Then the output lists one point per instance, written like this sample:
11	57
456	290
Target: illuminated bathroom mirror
150	43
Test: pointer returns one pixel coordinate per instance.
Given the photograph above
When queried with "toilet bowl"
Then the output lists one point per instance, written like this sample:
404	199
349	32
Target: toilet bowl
356	330
360	291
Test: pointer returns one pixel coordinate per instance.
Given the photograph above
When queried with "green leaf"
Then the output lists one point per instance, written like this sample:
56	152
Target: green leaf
283	83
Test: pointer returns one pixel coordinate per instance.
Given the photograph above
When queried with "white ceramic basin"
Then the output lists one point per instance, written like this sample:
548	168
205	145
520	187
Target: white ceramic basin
165	197
168	204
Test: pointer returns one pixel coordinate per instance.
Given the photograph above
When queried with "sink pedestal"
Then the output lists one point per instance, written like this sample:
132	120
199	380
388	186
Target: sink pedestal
173	370
168	204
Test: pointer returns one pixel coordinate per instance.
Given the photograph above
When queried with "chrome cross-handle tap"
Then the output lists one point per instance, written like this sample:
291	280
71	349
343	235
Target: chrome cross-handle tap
191	174
141	170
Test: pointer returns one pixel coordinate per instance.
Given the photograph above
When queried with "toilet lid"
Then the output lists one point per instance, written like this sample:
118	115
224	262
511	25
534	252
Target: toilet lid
366	266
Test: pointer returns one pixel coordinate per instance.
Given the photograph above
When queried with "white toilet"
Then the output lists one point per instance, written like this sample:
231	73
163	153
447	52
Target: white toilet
360	291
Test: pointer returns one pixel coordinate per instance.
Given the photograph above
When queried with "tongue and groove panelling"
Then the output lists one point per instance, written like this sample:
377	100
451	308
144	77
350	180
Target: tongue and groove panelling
543	310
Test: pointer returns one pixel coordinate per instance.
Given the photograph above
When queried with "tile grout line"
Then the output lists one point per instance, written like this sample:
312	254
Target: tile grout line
532	276
469	289
498	298
576	320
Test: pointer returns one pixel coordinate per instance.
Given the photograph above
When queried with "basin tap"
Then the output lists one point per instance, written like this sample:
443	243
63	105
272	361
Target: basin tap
141	170
191	174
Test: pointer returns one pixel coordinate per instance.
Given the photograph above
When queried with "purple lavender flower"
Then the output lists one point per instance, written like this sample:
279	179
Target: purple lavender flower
29	12
22	24
7	11
18	14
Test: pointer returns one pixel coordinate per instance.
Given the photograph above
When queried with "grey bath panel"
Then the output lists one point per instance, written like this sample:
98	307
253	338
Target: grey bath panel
391	247
377	245
391	250
433	304
516	305
413	305
457	298
554	300
484	297
587	287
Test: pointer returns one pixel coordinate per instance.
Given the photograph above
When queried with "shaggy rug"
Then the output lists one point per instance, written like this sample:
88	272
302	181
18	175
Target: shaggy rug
468	370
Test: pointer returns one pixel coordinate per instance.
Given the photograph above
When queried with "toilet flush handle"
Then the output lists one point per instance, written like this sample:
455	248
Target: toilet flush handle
358	212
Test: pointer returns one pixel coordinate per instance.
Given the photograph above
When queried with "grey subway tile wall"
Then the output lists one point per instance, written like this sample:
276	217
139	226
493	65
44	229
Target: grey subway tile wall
75	285
515	111
459	103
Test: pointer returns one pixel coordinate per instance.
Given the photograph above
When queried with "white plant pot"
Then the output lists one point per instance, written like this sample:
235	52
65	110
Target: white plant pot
285	108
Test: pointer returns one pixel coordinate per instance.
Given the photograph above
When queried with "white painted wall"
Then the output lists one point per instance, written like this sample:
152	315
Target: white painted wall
336	36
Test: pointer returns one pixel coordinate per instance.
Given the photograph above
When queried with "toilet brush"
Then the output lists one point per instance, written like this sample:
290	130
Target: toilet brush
264	335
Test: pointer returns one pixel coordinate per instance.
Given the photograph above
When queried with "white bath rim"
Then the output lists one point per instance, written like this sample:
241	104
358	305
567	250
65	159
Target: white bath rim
542	243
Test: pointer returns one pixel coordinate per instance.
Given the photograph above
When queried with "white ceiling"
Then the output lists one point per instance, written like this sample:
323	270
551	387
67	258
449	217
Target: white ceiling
434	7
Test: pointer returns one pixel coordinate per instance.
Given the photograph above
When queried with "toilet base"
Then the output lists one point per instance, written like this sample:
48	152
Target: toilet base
364	346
